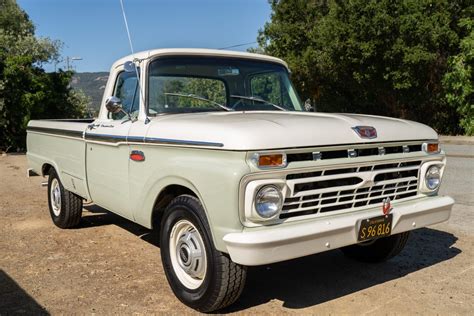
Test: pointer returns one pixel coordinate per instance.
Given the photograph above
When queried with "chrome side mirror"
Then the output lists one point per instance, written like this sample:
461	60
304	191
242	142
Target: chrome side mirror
113	105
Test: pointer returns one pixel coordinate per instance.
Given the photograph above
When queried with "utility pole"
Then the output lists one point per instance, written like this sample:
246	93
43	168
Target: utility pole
69	61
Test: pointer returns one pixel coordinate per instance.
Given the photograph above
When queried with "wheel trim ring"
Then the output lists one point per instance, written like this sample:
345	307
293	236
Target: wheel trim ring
190	281
55	195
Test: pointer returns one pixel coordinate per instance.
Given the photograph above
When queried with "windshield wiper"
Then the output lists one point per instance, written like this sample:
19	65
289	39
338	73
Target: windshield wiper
258	100
193	96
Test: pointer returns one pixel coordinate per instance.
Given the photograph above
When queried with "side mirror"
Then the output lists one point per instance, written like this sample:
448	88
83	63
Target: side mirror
308	106
113	105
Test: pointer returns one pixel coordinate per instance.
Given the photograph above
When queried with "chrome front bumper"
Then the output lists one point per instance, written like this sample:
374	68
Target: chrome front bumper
269	244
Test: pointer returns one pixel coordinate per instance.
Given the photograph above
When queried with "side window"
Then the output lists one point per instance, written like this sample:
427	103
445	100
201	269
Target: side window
268	86
127	90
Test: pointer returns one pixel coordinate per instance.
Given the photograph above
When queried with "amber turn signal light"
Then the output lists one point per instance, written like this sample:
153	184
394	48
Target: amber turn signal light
271	160
431	148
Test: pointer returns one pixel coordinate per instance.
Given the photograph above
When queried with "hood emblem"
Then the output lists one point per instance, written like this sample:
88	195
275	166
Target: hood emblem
365	131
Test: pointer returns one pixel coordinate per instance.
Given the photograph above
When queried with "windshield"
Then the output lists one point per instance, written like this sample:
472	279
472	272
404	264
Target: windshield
200	84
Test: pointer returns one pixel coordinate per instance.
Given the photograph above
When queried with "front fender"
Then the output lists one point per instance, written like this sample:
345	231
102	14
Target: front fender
213	175
153	190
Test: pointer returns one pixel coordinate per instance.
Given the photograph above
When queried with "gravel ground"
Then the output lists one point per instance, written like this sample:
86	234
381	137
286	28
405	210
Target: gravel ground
110	265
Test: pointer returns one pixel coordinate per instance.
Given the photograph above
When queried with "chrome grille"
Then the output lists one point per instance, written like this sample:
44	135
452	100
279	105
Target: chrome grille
376	150
348	188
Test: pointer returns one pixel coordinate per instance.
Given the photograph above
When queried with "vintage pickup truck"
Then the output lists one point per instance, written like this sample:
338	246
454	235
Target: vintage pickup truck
216	151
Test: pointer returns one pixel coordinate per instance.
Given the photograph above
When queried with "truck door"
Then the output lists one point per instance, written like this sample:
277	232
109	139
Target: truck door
107	151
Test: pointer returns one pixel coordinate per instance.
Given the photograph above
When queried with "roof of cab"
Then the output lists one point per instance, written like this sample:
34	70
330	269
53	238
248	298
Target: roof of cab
197	52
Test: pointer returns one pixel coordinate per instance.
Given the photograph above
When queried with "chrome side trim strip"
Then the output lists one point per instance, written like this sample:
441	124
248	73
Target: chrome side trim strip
181	142
120	138
105	138
55	131
136	139
148	140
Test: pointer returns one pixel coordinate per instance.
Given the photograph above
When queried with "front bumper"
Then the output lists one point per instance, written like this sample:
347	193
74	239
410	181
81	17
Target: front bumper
264	245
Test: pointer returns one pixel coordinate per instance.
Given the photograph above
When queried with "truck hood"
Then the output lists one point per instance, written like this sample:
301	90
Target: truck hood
278	130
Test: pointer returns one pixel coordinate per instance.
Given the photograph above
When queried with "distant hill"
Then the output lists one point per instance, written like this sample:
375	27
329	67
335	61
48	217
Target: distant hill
92	84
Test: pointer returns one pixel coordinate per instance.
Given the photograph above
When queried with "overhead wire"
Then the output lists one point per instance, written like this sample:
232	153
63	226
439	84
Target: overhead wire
238	45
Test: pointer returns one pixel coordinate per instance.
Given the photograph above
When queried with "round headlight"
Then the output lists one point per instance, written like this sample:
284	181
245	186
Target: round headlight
268	201
433	177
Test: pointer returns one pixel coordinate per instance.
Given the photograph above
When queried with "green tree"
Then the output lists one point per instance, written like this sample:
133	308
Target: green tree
370	56
26	90
459	80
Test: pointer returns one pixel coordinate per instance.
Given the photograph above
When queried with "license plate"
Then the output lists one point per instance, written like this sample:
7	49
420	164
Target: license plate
375	227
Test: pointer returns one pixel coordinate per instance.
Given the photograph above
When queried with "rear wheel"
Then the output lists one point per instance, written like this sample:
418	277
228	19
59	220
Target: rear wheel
378	250
199	275
65	207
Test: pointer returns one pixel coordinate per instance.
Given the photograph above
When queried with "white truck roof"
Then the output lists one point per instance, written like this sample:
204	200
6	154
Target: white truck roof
198	52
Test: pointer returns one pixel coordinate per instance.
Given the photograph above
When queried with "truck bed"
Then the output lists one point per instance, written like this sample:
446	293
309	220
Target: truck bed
60	144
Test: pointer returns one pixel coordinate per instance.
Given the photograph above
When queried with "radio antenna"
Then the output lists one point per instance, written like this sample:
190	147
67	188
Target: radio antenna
126	26
134	59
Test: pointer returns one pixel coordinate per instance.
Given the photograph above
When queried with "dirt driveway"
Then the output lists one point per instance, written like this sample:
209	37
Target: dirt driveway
110	265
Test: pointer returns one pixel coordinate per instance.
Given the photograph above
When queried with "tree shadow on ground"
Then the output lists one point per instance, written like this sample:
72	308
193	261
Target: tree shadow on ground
14	300
318	278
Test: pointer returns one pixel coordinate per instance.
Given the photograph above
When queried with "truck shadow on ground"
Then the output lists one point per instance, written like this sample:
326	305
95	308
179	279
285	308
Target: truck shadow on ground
319	278
11	294
101	217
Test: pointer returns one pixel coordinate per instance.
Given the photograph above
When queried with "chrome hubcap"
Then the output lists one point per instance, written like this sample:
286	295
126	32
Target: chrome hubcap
55	197
188	254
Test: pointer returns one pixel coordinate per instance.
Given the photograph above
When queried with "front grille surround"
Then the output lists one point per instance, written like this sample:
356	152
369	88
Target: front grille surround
335	168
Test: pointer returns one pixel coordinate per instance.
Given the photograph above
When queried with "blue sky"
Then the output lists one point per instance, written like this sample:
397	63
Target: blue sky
95	31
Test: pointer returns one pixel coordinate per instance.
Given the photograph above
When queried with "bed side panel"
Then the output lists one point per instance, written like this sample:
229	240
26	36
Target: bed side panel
61	145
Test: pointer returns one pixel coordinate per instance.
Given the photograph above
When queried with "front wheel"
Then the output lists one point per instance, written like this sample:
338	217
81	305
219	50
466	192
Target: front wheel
378	250
199	275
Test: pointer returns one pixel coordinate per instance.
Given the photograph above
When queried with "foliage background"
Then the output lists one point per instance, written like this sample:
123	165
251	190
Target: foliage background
26	90
411	59
402	58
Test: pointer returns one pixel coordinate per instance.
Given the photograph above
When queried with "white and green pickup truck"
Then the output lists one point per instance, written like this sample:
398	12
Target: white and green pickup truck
216	151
